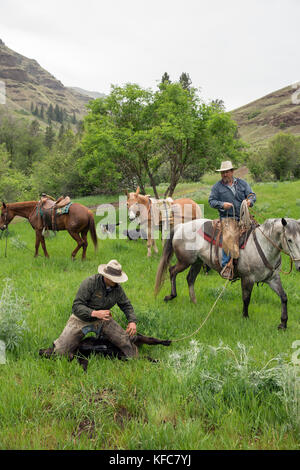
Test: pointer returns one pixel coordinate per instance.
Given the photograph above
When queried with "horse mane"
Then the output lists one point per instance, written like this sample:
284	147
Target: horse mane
15	205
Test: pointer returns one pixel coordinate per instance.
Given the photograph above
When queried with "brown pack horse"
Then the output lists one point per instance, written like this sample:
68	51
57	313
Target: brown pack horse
77	222
139	206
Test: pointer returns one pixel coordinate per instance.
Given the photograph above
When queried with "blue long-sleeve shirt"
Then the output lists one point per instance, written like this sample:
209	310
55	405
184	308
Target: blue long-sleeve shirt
221	193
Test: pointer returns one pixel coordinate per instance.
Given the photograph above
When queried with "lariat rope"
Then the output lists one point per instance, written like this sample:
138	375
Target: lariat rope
207	316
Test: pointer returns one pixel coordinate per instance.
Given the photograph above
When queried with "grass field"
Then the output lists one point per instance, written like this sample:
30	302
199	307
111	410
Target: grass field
231	386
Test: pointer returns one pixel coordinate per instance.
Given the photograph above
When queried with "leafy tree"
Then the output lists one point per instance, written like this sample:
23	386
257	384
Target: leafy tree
49	137
131	133
114	140
13	183
50	113
165	78
185	81
218	104
23	141
282	153
256	162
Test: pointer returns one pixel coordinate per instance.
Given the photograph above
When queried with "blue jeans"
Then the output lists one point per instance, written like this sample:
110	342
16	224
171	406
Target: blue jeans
225	258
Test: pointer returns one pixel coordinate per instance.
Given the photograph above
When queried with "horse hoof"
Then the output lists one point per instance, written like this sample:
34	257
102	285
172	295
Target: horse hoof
168	297
282	326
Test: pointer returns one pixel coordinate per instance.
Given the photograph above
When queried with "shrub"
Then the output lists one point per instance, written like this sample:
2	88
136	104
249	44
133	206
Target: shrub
12	322
258	167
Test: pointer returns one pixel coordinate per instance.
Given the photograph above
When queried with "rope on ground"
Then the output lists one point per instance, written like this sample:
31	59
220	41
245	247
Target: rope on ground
207	317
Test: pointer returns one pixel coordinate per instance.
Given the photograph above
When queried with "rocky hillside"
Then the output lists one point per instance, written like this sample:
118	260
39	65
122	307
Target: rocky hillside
276	112
29	86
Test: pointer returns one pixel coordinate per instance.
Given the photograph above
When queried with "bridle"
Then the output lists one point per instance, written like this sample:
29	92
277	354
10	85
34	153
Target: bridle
138	213
289	253
5	216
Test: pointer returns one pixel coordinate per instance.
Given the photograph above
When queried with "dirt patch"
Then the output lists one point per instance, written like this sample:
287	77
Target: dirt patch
122	415
87	427
105	396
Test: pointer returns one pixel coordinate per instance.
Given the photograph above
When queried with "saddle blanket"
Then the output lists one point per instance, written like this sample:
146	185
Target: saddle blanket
207	231
161	209
63	210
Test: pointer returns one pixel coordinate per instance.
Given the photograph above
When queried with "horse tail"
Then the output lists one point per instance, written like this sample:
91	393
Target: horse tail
164	263
92	229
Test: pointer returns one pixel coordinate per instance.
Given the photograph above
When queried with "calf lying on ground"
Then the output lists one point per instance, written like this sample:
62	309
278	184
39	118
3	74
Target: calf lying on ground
101	345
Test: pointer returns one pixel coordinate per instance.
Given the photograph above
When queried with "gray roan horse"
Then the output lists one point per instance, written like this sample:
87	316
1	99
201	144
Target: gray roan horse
191	249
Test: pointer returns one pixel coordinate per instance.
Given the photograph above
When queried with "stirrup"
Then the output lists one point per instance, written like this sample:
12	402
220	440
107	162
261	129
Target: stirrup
227	272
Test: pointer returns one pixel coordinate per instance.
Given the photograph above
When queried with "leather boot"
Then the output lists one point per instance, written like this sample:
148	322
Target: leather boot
227	271
116	335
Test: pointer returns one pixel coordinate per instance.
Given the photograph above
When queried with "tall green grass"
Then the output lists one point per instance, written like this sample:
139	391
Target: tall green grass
231	386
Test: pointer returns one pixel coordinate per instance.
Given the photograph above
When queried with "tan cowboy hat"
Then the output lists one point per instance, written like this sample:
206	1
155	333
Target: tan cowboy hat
225	166
113	271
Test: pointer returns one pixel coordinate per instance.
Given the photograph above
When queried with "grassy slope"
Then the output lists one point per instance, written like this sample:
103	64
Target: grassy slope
261	119
140	405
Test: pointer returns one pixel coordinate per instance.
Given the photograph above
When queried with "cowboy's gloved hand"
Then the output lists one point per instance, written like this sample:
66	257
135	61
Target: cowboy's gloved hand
227	205
131	329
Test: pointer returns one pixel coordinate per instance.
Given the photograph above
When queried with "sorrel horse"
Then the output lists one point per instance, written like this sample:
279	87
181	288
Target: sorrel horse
78	221
139	206
259	261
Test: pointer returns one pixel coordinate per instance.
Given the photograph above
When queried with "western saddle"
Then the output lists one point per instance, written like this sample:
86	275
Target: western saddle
47	207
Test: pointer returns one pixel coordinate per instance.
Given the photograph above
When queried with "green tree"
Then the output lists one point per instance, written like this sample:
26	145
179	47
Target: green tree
131	133
185	81
50	113
282	154
256	162
14	185
165	78
49	137
113	142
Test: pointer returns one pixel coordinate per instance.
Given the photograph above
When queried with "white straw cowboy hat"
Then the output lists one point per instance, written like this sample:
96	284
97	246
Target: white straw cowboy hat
113	271
225	166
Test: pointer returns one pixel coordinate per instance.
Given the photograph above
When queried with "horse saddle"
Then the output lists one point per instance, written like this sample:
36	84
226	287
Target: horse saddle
49	208
47	202
211	232
161	210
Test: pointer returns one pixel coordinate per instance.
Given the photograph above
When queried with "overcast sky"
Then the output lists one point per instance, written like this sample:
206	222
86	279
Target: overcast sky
235	50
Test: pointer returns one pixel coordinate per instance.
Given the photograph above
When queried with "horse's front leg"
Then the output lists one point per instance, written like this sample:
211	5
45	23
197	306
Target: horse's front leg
149	238
247	287
276	286
154	246
44	246
38	238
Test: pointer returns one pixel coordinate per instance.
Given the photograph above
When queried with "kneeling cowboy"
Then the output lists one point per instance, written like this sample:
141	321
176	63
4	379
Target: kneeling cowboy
91	307
227	196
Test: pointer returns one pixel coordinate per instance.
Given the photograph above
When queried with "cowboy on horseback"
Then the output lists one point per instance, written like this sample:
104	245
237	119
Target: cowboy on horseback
227	196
